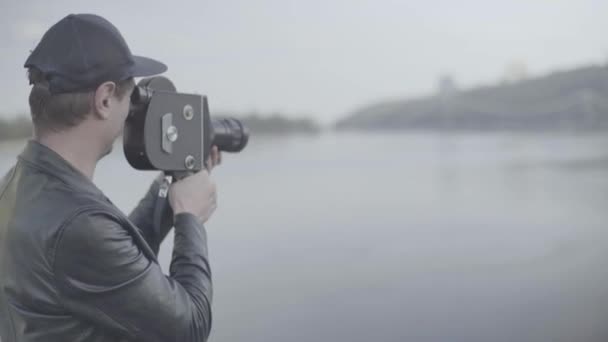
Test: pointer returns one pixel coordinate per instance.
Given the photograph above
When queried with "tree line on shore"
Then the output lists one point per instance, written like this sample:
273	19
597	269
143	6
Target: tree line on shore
16	128
20	127
566	100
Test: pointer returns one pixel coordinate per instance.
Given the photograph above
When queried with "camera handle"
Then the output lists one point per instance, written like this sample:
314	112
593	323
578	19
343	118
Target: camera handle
161	204
162	201
177	175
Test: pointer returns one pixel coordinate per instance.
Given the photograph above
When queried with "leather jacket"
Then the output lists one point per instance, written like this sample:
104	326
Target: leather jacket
75	268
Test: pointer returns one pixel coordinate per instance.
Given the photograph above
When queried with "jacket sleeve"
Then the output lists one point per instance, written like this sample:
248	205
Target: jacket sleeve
103	277
143	216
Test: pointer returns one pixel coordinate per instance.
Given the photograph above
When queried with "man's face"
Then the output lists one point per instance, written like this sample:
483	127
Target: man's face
119	110
122	109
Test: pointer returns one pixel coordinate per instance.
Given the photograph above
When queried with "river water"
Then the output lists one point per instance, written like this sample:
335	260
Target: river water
403	237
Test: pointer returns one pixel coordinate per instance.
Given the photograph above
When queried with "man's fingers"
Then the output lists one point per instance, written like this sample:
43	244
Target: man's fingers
209	164
215	158
218	160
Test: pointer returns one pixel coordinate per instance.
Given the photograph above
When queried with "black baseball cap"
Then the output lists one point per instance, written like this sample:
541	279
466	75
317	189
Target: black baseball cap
81	51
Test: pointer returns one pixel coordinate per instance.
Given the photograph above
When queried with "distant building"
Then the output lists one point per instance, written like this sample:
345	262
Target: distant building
446	86
515	71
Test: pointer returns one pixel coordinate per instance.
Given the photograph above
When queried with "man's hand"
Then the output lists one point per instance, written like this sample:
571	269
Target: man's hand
197	193
214	159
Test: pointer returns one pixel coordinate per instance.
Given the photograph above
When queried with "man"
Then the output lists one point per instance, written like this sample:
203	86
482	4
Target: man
72	266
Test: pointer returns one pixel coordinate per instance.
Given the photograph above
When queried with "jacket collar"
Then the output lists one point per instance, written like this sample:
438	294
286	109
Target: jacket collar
49	161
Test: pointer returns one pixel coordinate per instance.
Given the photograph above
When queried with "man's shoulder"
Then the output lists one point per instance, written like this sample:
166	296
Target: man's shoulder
42	204
44	189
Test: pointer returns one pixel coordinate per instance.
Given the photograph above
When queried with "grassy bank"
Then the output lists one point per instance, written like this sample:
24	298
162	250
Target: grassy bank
16	128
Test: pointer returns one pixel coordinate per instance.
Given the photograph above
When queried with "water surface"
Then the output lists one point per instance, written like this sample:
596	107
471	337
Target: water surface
403	237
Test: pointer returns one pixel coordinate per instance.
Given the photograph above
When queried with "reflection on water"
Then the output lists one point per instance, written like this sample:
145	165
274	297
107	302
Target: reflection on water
421	237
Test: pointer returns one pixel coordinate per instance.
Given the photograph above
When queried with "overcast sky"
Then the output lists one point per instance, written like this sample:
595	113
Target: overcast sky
322	58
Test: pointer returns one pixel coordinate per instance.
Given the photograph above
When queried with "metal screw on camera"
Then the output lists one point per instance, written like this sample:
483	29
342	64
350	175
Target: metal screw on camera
172	133
188	112
190	162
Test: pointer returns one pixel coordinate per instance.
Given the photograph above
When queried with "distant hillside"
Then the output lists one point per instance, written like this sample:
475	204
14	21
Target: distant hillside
568	100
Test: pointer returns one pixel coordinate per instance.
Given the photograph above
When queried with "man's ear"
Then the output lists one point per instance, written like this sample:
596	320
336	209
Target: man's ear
103	100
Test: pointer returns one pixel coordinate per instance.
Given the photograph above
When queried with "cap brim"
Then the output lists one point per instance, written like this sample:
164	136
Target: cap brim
145	66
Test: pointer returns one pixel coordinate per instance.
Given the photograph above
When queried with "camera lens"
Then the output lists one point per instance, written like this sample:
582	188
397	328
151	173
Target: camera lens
229	134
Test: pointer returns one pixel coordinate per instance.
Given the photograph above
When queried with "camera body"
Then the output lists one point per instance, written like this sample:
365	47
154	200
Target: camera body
171	131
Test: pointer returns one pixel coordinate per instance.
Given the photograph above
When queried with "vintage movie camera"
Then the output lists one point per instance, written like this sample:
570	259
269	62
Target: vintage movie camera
174	132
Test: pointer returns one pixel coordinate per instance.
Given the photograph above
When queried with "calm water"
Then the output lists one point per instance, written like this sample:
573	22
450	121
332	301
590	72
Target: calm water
411	237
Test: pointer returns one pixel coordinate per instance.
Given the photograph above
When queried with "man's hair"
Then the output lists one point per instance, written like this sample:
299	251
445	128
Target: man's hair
59	111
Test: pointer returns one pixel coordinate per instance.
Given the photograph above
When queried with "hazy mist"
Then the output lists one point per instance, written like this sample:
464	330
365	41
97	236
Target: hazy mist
323	58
